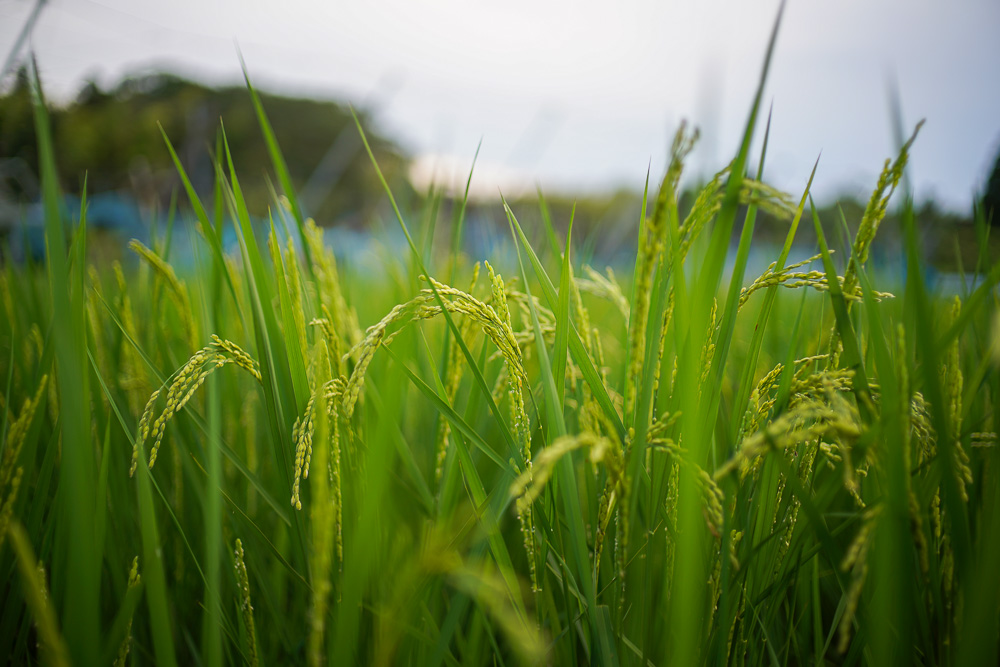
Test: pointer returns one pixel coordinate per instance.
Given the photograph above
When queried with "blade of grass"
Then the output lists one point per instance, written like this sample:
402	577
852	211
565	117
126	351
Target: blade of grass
563	323
81	604
278	162
405	454
279	393
550	231
293	350
928	347
213	233
458	219
689	604
852	351
602	643
449	413
211	644
53	647
515	452
576	348
728	323
745	385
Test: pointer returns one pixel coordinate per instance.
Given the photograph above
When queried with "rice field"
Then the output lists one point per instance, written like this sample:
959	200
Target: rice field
267	458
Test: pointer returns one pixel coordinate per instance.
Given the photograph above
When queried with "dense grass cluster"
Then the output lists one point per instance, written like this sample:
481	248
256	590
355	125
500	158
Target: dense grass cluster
453	466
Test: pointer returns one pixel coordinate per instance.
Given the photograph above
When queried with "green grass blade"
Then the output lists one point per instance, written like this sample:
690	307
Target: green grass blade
550	231
458	219
52	645
515	452
212	232
852	351
563	323
278	161
927	346
292	348
728	322
274	365
689	603
449	413
745	385
576	348
579	557
81	604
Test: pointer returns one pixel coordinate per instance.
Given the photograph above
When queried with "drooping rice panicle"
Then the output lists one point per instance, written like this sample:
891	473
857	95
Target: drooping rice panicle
17	430
515	371
245	607
809	420
133	580
325	324
185	383
7	507
875	211
817	280
422	307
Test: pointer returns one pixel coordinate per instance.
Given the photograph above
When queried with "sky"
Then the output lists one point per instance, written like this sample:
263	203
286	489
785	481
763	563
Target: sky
582	96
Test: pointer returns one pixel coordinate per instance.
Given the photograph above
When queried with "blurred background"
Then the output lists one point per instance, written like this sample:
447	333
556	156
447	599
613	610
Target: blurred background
577	99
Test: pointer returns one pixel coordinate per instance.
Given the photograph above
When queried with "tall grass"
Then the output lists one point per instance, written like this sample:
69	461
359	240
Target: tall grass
531	464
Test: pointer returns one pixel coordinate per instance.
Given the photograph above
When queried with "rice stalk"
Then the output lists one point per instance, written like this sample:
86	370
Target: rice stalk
322	523
96	324
652	243
291	272
519	417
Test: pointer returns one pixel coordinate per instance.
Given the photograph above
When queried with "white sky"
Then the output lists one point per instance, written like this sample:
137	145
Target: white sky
576	94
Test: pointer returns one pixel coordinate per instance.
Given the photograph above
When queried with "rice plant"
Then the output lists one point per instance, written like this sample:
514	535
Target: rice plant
269	458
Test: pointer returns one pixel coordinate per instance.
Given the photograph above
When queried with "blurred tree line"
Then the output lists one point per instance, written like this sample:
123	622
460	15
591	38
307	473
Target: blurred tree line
112	136
605	227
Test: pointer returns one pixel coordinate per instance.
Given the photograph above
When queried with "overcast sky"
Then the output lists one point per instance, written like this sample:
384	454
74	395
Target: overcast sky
582	94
